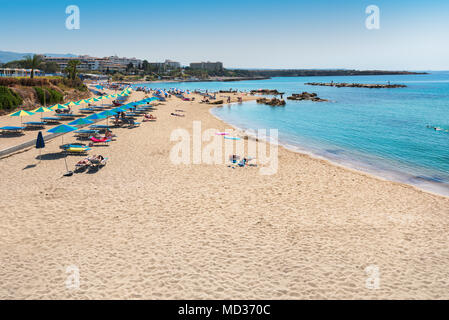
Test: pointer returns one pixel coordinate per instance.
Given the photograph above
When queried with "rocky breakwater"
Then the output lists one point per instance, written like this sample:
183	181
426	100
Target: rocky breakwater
266	92
306	96
272	102
357	85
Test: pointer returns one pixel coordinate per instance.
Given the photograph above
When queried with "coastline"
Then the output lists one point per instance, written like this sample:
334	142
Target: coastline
313	156
145	228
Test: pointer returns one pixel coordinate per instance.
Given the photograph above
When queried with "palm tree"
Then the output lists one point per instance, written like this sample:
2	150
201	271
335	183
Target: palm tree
32	62
71	68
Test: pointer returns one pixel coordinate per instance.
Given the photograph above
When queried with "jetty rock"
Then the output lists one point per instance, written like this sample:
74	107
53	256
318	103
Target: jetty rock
272	102
266	92
306	96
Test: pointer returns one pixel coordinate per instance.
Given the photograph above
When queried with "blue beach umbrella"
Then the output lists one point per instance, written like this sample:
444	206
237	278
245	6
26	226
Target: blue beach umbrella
108	113
95	116
118	109
63	128
80	122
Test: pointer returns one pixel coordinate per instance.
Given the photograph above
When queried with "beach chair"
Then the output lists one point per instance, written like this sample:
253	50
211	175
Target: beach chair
96	164
77	150
133	124
99	141
33	125
51	120
86	134
72	145
10	130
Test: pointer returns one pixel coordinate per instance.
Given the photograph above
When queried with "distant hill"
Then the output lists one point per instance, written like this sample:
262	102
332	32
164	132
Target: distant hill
7	56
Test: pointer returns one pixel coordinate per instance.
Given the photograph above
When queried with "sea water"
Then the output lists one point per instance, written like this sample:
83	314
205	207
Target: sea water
380	131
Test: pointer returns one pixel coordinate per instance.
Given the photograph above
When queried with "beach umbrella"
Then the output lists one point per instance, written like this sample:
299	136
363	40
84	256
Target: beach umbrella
63	128
21	113
95	116
108	113
80	122
41	110
40	144
119	109
57	106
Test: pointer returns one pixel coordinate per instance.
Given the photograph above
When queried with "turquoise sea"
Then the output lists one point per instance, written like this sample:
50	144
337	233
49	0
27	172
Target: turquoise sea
380	131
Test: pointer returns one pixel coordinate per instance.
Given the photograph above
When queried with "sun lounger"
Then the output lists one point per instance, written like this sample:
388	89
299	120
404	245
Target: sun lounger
87	110
97	141
34	125
64	117
72	145
9	130
77	150
51	120
86	133
133	124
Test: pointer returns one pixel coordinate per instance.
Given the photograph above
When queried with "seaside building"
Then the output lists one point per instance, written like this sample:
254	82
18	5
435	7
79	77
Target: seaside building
88	63
125	61
209	66
13	72
167	65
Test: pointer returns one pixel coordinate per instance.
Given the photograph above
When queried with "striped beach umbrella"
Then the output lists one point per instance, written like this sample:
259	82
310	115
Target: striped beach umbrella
41	110
21	113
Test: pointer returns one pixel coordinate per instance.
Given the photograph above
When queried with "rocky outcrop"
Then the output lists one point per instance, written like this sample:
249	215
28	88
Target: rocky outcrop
266	92
272	102
306	96
356	85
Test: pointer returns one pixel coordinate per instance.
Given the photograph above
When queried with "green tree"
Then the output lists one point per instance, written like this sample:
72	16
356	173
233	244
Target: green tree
71	68
50	67
32	62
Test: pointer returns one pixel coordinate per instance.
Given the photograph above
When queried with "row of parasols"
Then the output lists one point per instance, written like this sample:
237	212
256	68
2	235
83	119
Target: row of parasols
41	110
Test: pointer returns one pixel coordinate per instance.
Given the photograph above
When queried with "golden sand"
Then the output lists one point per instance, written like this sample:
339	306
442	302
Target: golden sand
144	228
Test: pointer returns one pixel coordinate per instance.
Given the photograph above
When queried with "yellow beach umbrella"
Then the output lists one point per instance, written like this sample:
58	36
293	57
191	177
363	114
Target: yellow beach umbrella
41	110
21	113
58	106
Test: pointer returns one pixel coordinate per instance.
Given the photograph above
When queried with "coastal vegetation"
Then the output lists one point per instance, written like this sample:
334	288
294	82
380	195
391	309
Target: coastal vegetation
9	99
26	93
48	96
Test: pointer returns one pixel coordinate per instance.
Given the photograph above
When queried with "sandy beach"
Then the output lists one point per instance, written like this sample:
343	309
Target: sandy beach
145	228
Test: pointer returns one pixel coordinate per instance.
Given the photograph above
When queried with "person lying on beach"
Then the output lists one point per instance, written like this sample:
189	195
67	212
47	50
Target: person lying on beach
177	115
149	117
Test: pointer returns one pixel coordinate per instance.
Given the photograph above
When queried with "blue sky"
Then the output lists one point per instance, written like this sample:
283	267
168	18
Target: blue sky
413	34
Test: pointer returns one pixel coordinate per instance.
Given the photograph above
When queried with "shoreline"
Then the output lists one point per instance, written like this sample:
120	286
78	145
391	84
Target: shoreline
317	157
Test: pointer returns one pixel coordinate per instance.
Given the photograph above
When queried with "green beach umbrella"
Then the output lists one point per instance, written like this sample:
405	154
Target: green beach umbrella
21	113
